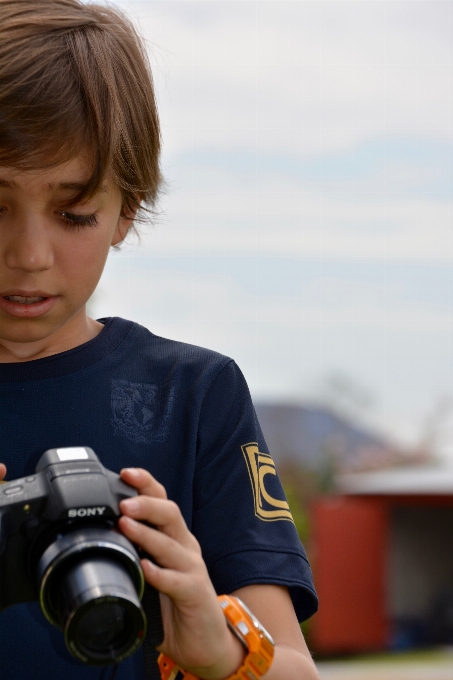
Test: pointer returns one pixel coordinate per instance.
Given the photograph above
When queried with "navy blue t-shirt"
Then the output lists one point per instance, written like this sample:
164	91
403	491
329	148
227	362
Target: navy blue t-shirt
185	414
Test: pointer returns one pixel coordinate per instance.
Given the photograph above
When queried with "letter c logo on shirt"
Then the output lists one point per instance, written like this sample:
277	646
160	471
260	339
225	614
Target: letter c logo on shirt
260	465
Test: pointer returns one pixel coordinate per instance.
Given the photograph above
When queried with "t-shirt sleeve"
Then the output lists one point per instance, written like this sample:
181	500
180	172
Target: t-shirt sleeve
241	517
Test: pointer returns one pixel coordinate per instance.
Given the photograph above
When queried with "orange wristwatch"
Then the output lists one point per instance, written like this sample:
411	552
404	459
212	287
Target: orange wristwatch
248	630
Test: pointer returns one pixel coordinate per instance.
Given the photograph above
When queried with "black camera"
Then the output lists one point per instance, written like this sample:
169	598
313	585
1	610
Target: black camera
59	545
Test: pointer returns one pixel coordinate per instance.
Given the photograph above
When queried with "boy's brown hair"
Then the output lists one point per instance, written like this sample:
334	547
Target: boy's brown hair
75	77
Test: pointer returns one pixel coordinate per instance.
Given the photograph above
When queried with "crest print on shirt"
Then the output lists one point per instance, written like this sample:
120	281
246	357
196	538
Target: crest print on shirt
259	465
141	411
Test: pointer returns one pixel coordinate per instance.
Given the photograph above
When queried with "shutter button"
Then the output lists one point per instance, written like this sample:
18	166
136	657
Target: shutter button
13	489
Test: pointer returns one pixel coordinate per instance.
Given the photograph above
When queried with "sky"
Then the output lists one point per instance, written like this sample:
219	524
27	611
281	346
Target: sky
305	229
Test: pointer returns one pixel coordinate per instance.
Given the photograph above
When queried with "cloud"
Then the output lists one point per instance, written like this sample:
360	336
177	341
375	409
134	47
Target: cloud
279	222
317	76
315	129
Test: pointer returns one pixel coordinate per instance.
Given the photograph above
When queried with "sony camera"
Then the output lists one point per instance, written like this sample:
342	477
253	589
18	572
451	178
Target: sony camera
59	545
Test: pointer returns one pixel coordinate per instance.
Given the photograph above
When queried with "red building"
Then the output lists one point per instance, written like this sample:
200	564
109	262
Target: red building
383	561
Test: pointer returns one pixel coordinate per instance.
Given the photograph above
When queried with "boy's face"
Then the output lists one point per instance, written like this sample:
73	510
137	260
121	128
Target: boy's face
55	251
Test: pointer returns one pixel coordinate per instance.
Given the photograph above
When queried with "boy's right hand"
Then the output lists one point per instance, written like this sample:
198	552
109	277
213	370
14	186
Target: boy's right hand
2	472
196	635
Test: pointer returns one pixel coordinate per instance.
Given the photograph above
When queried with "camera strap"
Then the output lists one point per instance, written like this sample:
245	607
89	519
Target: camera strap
154	632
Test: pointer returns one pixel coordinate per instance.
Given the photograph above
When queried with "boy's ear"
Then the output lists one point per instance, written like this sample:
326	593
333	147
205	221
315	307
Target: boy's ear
124	224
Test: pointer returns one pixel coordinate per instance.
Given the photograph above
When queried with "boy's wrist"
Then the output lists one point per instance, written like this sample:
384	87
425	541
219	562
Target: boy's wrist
234	656
232	659
248	650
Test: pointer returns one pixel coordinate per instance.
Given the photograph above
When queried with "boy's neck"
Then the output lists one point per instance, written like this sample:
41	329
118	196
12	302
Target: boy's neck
77	331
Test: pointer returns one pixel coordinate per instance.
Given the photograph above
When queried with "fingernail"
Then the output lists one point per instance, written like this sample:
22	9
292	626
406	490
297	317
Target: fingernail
129	522
133	472
131	505
147	564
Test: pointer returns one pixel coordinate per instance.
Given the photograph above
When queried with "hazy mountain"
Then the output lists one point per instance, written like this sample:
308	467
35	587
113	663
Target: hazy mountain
313	434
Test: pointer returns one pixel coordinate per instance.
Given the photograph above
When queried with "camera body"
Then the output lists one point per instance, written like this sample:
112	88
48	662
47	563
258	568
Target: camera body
59	545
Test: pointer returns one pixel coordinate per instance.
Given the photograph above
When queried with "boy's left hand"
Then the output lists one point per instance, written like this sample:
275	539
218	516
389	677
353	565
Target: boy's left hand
196	636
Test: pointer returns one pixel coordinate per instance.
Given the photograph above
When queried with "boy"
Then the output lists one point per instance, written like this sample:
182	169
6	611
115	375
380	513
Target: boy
79	158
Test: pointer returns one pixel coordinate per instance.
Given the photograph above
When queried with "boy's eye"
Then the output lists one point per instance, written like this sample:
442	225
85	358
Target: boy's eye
78	221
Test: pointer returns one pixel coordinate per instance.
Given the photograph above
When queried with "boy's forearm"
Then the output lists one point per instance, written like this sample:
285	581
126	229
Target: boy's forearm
290	664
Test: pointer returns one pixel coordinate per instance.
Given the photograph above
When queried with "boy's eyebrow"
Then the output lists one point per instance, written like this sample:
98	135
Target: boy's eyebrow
72	186
76	186
7	185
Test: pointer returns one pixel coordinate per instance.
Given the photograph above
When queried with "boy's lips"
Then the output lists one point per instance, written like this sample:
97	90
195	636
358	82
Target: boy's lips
24	310
25	293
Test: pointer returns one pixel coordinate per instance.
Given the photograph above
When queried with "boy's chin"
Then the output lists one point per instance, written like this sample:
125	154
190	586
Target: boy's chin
28	338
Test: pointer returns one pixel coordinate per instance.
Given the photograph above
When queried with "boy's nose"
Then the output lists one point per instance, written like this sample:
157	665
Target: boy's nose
29	249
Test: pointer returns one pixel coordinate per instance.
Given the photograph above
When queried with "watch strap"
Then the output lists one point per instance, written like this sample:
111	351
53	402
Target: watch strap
170	671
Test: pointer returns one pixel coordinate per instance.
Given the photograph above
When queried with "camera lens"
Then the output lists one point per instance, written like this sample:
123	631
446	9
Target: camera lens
90	587
103	626
99	610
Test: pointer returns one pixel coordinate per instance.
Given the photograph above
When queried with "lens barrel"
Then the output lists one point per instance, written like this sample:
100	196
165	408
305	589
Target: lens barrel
91	583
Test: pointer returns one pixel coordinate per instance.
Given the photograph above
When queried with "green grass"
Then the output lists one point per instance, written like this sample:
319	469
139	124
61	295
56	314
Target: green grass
414	656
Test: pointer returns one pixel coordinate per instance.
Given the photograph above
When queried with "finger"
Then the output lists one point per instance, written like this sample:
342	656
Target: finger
168	552
163	514
2	471
168	581
143	481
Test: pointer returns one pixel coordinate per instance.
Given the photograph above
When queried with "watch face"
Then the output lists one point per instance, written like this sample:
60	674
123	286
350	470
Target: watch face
256	623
